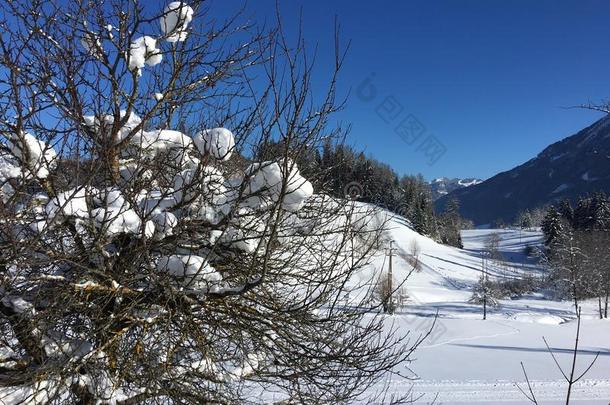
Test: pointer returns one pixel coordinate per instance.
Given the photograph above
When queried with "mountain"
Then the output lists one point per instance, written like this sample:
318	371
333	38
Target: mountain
445	185
575	166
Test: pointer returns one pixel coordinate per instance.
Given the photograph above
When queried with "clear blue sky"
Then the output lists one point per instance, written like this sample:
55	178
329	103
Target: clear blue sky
489	79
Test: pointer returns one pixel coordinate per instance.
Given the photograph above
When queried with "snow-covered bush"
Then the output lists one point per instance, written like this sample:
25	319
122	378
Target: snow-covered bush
486	293
146	259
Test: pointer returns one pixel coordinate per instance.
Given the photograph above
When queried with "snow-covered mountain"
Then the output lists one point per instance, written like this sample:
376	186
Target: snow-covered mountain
444	185
570	168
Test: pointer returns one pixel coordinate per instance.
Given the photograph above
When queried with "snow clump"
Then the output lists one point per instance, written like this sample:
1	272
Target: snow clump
38	156
217	142
175	20
144	51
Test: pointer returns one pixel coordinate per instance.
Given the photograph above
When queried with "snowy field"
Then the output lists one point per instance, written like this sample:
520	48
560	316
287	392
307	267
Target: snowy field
469	360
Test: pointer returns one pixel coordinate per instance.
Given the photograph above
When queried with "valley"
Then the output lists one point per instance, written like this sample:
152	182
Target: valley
469	360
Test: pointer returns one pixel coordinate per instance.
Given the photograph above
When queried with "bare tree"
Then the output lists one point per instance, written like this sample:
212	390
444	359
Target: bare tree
530	395
603	106
389	294
567	261
413	255
492	246
144	264
595	256
570	376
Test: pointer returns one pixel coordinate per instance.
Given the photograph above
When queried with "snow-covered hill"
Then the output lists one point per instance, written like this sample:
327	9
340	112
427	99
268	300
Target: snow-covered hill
448	274
468	360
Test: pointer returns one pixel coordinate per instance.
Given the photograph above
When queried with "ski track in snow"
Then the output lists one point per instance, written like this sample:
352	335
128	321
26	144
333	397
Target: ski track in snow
481	392
513	332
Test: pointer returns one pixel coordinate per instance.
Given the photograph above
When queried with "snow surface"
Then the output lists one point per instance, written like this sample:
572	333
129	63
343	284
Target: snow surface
587	177
472	182
468	360
560	188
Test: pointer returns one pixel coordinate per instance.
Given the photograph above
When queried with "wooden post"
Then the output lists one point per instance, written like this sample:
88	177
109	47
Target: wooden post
390	284
484	286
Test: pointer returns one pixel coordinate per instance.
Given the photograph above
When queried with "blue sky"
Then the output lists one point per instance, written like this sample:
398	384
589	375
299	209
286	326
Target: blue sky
490	80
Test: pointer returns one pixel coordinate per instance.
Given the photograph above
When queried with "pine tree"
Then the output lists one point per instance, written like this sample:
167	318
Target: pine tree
566	211
525	219
552	226
485	293
419	220
602	212
568	265
450	224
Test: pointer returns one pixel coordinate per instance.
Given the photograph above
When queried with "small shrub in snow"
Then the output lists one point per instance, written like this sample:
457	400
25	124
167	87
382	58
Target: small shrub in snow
515	288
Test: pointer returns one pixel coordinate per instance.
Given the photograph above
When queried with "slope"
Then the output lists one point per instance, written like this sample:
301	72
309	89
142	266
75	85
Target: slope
575	166
468	360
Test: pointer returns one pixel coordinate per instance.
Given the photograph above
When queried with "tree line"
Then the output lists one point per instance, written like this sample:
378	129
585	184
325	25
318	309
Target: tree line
576	241
338	166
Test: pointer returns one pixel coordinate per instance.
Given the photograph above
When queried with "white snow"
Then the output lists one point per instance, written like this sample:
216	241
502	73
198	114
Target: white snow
469	360
116	220
72	202
115	215
144	51
266	179
193	271
162	140
107	121
156	200
239	239
466	183
218	142
175	20
557	157
164	223
560	188
38	156
18	304
8	170
92	44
